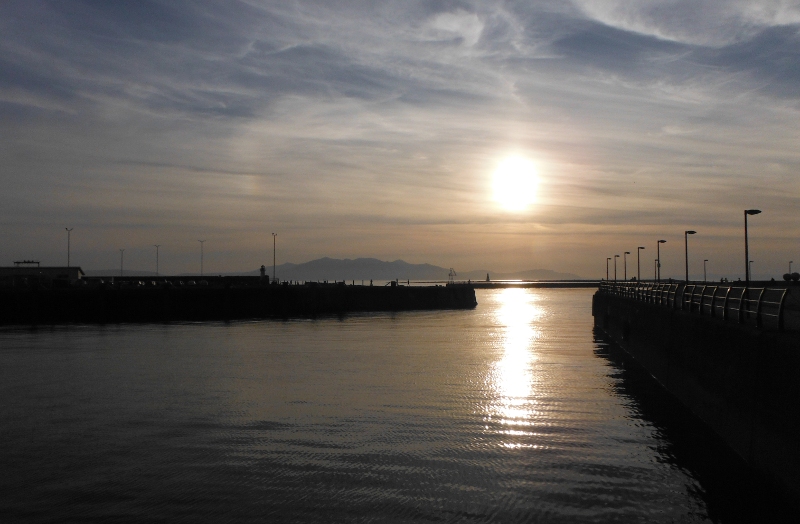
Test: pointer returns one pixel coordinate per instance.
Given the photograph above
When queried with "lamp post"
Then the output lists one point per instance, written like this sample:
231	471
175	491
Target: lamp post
274	235
686	246
655	268
608	259
638	265
658	259
201	256
625	265
157	246
69	229
121	260
746	247
615	268
705	279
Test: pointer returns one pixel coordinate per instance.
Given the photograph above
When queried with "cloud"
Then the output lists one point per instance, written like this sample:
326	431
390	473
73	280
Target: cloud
714	23
388	117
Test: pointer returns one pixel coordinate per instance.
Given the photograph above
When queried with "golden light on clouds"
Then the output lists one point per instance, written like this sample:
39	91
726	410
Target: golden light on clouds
514	183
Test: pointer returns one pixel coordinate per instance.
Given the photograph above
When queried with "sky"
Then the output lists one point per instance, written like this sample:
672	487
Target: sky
377	129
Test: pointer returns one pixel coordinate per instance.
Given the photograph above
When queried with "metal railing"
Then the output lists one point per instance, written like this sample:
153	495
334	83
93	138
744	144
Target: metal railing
764	307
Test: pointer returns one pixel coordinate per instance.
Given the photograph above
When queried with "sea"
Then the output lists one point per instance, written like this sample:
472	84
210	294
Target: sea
515	411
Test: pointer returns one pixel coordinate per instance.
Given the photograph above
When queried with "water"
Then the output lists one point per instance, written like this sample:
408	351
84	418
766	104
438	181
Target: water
512	412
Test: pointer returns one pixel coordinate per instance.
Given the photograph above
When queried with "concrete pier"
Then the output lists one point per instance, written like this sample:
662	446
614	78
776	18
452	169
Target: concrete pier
166	302
736	373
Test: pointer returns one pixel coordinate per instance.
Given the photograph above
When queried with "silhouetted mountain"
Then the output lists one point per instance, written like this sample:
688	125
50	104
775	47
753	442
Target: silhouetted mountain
372	268
358	269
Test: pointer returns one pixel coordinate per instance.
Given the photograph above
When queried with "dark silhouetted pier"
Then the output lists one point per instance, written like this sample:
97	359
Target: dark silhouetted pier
215	298
730	353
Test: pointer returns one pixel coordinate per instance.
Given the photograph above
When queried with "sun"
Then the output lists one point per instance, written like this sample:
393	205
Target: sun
514	183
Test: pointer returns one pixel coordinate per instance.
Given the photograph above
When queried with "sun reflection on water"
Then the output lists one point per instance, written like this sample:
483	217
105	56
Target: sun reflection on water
512	379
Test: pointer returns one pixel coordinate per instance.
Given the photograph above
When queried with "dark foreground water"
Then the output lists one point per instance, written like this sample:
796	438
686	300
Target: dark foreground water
513	412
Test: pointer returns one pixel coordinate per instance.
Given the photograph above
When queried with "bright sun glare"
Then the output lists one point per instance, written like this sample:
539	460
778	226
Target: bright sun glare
514	183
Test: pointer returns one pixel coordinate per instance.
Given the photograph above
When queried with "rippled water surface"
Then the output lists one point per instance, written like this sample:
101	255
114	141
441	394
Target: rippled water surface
512	412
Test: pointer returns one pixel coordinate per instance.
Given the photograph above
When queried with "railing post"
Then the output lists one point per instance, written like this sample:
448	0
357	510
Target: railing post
758	307
780	309
713	296
700	306
741	305
725	304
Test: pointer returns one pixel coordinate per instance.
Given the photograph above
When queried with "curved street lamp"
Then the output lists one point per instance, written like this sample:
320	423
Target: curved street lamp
615	268
274	236
608	259
625	262
746	247
69	230
201	256
638	265
686	246
658	259
704	271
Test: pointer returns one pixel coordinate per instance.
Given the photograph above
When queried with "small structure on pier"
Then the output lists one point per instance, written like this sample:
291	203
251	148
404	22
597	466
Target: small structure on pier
26	268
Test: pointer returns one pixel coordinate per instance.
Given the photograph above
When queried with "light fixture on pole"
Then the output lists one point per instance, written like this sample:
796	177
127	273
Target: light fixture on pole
615	267
273	255
638	265
608	259
746	247
686	246
625	265
658	259
121	262
201	256
157	246
69	230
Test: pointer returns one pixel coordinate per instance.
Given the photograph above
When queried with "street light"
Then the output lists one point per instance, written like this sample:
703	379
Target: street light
658	258
121	260
638	265
655	268
746	247
201	256
625	262
704	271
157	246
686	245
273	255
615	267
69	229
608	259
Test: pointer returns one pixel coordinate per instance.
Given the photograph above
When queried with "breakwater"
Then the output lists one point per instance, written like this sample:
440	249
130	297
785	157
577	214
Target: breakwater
223	301
726	354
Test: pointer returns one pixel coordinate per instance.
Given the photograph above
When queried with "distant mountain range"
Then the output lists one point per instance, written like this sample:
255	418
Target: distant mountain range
370	268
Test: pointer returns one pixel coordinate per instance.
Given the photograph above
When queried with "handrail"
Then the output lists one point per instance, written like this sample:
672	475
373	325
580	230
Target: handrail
759	305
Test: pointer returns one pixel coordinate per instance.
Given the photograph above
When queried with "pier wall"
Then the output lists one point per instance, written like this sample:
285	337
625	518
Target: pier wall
120	304
742	381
